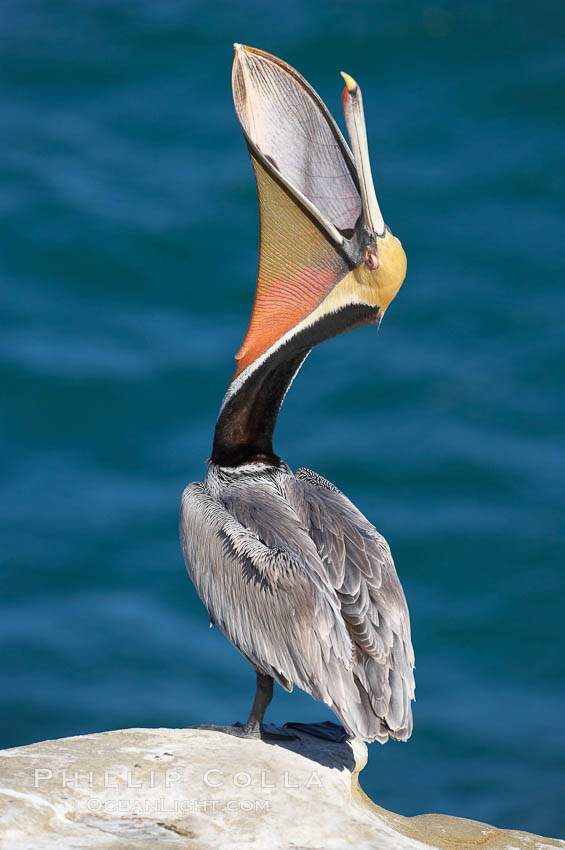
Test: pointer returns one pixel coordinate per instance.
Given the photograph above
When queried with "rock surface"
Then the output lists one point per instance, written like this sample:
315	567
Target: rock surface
206	790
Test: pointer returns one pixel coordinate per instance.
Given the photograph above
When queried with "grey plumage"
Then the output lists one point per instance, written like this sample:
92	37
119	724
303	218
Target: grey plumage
305	587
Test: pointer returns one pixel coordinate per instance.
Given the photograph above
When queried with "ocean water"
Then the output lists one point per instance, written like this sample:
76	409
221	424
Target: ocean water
127	263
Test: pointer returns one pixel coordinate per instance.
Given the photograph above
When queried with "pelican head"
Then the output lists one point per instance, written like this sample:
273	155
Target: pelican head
326	257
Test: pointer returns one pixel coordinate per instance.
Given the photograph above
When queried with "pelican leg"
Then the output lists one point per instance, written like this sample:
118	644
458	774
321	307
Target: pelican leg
263	696
254	727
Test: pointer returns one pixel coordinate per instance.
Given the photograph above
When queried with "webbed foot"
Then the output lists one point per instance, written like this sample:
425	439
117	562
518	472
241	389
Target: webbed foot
327	730
264	732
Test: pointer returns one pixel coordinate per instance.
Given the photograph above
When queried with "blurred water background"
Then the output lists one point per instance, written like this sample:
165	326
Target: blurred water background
128	253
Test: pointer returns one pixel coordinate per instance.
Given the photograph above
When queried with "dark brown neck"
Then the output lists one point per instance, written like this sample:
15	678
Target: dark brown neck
244	430
245	426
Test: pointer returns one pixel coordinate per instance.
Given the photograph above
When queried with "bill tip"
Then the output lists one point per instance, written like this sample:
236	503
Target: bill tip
350	83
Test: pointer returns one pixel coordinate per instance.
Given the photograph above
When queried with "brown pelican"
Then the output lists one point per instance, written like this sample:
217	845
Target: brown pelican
288	568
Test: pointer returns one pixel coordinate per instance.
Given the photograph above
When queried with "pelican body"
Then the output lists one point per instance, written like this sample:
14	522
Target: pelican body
288	568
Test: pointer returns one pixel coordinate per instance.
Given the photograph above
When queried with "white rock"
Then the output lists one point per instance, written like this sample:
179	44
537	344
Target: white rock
210	791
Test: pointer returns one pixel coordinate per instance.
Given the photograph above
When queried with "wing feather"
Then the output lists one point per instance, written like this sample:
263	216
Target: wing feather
372	601
270	599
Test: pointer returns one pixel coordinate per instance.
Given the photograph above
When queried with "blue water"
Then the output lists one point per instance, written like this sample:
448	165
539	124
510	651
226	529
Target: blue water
127	259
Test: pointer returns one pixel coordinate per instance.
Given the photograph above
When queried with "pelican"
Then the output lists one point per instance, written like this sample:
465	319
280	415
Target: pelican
290	571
